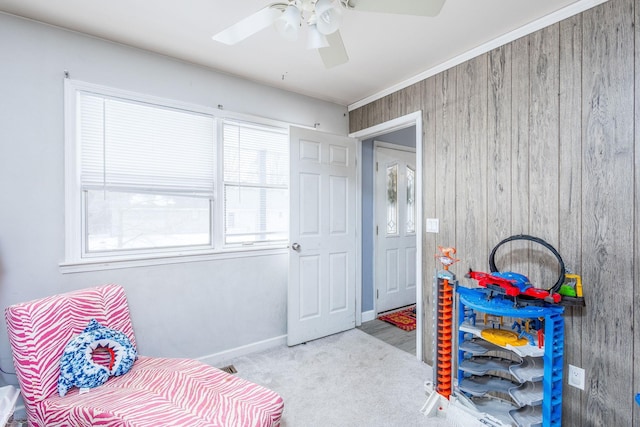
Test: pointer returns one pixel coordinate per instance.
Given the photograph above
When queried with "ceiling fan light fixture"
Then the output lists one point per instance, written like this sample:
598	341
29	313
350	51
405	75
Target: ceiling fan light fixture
316	39
328	16
288	24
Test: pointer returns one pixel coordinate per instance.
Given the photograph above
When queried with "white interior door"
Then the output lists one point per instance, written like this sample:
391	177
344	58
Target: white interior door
322	260
396	223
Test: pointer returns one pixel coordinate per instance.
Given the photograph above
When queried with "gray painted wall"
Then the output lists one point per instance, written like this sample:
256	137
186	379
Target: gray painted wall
406	137
193	309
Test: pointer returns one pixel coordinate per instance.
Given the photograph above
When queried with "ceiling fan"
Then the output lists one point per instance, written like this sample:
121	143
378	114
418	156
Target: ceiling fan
323	18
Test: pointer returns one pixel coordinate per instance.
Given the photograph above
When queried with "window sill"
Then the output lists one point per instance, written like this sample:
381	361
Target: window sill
98	264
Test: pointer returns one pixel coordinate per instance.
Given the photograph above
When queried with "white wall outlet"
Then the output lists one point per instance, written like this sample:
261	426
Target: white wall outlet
576	377
432	225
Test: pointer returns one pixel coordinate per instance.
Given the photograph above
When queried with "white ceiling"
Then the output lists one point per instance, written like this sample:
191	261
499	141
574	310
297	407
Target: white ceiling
384	49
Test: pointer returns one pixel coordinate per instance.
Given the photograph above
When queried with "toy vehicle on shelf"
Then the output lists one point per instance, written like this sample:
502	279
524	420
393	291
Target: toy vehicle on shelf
514	285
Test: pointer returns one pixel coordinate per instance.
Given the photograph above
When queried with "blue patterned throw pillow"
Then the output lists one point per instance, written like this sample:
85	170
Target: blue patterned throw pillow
77	367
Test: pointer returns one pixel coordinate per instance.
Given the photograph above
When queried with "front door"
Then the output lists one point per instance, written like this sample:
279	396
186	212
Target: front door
322	256
396	222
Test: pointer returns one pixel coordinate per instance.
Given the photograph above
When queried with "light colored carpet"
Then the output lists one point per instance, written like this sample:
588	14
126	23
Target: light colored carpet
349	379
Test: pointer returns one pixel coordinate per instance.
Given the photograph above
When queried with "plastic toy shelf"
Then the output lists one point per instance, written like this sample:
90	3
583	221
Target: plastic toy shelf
526	394
478	347
528	369
499	408
528	416
531	369
482	365
481	385
533	363
477	300
524	350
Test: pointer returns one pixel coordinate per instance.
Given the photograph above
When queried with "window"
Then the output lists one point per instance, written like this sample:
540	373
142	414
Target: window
411	201
392	199
256	198
147	177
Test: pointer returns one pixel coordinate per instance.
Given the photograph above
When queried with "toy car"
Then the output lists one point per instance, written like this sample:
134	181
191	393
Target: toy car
514	285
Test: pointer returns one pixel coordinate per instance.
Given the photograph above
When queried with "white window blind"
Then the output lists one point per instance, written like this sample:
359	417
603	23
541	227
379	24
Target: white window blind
256	168
147	175
133	146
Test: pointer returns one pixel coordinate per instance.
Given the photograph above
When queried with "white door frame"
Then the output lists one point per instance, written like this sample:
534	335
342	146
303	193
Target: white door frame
412	119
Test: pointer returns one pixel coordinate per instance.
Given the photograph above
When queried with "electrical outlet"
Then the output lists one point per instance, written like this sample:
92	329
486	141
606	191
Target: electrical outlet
576	377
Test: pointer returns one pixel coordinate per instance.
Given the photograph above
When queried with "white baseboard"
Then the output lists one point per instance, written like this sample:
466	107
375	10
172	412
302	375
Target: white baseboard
368	315
225	356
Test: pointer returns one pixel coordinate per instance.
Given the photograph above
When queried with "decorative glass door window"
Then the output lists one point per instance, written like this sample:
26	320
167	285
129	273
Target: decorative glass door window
411	204
392	199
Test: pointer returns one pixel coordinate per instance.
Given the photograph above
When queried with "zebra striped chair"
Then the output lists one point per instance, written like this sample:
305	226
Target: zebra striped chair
155	392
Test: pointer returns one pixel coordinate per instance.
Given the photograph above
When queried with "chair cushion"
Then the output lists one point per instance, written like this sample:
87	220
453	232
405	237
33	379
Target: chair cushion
40	329
167	392
77	366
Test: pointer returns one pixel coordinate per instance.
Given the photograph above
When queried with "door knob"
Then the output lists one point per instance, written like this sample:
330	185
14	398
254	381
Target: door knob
295	246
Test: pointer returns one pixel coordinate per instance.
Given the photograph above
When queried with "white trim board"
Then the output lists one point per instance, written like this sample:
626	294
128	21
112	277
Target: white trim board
411	119
392	146
368	315
228	355
525	30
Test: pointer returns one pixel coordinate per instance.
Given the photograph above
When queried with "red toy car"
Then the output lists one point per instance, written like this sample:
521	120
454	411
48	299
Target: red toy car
512	284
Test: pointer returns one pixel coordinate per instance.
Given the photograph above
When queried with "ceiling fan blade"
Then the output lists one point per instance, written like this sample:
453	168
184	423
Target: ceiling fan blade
335	54
401	7
249	25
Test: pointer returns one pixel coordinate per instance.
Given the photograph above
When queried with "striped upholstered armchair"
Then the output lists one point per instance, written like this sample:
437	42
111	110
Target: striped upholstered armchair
154	392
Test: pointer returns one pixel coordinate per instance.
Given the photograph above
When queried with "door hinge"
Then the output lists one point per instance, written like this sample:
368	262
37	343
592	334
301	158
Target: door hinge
376	230
376	166
377	293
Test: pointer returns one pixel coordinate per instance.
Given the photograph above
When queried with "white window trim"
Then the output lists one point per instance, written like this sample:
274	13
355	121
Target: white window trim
75	262
114	263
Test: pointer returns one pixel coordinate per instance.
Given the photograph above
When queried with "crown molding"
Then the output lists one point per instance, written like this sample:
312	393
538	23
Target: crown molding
525	30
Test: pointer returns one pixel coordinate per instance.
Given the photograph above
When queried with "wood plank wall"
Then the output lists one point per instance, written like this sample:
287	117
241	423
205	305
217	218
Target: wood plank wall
539	137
